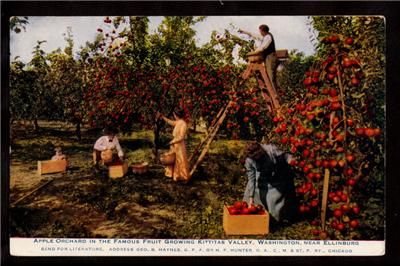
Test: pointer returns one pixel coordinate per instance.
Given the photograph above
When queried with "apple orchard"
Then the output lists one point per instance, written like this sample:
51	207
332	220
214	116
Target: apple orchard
332	103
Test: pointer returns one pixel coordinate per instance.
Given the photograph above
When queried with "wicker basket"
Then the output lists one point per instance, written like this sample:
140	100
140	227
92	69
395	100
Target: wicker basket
106	156
255	58
167	158
140	168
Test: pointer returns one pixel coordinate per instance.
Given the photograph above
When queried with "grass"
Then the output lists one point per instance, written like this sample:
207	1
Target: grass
81	203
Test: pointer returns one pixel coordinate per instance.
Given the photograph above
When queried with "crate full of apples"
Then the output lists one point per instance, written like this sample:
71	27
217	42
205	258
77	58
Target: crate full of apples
242	219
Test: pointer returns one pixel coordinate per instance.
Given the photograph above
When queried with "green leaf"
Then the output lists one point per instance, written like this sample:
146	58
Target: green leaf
357	95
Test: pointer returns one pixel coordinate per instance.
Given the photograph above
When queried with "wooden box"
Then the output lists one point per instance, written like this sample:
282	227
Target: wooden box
282	54
50	166
118	171
251	224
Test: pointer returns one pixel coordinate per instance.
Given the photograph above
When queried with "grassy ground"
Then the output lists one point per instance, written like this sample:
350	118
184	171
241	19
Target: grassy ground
80	203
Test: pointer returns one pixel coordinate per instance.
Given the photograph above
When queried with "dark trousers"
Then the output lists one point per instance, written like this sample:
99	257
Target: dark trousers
96	156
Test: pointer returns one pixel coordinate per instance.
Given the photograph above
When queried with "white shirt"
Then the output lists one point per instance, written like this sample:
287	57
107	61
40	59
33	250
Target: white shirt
264	41
103	144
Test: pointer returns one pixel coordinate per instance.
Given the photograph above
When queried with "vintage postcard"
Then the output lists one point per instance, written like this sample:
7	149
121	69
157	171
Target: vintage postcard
197	135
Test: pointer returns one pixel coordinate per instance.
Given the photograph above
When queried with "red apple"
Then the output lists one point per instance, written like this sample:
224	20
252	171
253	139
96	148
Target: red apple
343	197
330	76
377	131
354	223
369	132
336	199
349	41
323	235
335	106
315	232
314	222
360	131
302	208
340	138
350	122
355	82
333	92
314	192
331	195
345	208
237	205
260	207
308	81
346	62
310	117
332	69
356	210
337	213
340	226
253	209
350	158
233	211
317	176
334	39
339	149
333	163
351	182
245	211
314	203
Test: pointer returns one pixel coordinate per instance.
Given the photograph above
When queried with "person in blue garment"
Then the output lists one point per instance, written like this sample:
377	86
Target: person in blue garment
270	181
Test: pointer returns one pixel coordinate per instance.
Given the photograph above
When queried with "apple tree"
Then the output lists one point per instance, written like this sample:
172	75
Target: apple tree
330	130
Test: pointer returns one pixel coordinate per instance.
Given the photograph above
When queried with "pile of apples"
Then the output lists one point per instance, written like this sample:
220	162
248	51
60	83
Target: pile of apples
242	208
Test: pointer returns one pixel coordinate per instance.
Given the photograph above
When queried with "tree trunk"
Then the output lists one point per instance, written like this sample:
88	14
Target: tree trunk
78	131
35	125
156	132
194	125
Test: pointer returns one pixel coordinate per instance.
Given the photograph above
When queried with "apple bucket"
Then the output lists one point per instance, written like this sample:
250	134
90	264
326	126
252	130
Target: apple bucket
167	158
106	156
140	168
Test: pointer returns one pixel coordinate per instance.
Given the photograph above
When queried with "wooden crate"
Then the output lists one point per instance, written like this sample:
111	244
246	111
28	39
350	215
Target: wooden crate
252	224
282	54
118	171
50	166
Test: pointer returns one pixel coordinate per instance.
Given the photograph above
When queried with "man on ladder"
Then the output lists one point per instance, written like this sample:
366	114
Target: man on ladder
267	49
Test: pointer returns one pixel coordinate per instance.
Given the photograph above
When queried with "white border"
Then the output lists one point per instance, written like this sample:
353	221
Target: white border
191	247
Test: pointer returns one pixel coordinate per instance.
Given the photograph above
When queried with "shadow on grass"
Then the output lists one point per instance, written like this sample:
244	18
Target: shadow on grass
42	151
136	144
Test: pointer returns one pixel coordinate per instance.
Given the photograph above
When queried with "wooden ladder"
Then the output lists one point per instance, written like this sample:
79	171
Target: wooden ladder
264	82
270	96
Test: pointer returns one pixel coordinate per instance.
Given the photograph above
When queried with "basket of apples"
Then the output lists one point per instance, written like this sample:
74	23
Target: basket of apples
242	219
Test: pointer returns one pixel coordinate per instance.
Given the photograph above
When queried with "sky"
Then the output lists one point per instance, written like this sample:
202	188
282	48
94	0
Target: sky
290	32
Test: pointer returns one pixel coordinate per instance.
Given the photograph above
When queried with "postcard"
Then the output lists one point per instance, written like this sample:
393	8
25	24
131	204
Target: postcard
197	135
